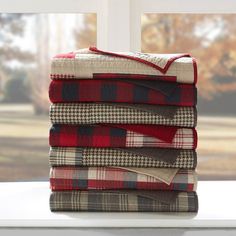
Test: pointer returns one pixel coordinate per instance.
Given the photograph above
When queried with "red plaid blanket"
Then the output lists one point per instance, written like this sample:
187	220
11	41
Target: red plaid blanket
86	178
122	136
123	91
94	63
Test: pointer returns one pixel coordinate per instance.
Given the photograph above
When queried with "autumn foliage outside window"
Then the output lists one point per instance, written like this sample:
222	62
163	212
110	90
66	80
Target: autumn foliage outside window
211	39
28	41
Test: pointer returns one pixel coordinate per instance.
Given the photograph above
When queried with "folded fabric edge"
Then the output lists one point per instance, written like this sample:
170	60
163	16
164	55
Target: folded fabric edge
165	175
166	155
165	197
163	70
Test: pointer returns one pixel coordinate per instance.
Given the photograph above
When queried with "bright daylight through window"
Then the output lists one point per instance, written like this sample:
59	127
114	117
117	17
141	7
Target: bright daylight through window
211	39
27	42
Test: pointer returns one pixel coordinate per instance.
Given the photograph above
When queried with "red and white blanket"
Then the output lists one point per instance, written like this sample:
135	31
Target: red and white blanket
94	63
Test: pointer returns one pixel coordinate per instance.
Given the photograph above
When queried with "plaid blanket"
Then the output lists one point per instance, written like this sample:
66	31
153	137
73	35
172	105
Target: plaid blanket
109	136
94	63
124	201
134	157
85	178
93	113
123	91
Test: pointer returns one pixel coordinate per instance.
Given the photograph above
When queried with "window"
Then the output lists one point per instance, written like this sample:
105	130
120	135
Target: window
27	42
210	38
118	26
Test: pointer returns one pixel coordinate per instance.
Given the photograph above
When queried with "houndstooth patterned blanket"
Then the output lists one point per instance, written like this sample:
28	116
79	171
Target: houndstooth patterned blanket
128	157
94	113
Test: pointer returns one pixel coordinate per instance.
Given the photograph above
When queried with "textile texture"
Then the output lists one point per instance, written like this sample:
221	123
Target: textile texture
105	136
90	63
124	201
86	178
124	91
93	113
164	158
123	135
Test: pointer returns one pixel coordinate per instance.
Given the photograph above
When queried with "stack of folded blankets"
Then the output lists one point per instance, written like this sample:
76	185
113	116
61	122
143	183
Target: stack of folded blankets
122	135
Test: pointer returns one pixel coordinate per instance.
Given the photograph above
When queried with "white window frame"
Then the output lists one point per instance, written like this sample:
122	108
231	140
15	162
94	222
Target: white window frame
118	21
139	7
112	16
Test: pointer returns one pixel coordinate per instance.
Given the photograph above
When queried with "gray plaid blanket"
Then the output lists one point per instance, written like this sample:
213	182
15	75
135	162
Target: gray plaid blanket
124	201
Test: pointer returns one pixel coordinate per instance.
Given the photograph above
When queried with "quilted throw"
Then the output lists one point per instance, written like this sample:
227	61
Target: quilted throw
127	157
94	113
86	178
93	63
124	201
125	91
122	136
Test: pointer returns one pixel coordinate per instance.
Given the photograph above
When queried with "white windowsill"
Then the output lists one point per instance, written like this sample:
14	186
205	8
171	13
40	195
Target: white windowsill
26	204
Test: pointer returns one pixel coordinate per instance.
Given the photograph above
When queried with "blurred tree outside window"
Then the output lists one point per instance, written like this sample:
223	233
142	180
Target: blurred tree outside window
27	43
211	39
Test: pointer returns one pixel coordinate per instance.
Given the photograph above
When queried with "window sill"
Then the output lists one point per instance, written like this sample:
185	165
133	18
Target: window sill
26	204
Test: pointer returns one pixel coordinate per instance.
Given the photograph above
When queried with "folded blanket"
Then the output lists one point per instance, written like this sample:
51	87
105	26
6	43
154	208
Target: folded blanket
94	63
127	157
124	201
122	136
86	178
123	91
93	113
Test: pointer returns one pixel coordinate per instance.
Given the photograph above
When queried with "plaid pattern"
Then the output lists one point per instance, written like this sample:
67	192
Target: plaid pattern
105	136
123	201
121	92
86	64
61	156
85	178
93	113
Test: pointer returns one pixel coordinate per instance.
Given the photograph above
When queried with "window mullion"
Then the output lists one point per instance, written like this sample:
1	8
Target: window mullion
114	26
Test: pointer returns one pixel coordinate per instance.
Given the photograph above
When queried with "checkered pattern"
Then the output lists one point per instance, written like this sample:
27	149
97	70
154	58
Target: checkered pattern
92	113
86	64
85	178
61	156
121	92
105	136
124	201
123	124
